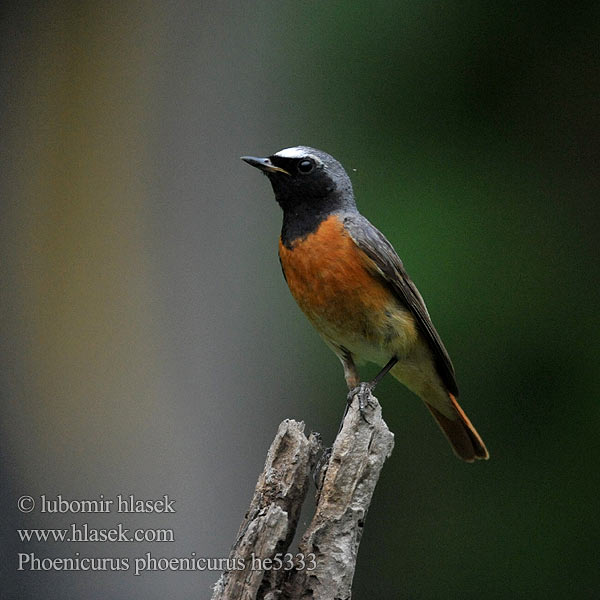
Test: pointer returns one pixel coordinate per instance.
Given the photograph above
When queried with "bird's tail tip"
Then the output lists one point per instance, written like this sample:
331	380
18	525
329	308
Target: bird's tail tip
463	437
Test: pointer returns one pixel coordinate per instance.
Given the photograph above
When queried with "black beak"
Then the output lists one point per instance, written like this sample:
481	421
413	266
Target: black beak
264	164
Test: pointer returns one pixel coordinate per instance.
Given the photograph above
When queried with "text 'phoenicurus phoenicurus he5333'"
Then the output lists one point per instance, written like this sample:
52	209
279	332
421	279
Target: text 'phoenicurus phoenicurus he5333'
353	288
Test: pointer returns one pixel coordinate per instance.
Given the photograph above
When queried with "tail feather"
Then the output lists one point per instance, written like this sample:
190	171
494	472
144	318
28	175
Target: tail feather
464	439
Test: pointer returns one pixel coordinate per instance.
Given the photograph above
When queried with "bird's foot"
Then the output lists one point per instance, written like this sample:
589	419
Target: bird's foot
363	392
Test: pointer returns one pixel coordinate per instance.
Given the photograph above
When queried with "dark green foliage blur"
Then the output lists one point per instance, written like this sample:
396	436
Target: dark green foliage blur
471	133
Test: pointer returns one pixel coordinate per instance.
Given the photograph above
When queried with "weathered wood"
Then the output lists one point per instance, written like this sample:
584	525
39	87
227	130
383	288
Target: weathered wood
334	534
270	523
329	546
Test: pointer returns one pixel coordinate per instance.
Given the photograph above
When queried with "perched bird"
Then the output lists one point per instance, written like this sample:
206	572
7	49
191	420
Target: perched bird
352	286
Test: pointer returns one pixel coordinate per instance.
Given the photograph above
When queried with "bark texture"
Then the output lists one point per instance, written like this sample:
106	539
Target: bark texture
323	566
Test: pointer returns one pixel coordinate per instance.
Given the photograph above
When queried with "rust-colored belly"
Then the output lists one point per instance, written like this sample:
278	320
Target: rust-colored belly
329	277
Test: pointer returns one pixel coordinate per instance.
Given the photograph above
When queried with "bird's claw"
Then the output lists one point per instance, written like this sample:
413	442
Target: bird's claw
363	392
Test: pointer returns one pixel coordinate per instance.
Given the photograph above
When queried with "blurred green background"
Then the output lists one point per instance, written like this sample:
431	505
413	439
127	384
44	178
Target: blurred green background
150	345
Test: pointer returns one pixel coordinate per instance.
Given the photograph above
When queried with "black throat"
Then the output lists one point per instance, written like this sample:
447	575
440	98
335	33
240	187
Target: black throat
301	220
308	199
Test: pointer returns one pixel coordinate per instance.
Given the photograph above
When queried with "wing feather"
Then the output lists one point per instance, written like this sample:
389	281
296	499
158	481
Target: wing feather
390	268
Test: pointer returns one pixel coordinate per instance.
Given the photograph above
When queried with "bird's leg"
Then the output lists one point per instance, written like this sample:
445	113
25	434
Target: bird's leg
363	389
351	377
388	367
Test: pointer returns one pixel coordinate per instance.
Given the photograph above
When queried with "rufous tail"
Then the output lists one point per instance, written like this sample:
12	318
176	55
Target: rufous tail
461	434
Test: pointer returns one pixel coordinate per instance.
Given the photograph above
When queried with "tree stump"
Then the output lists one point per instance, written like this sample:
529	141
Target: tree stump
261	566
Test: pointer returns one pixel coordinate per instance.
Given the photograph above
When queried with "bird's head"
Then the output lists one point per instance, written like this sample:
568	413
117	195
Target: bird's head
306	177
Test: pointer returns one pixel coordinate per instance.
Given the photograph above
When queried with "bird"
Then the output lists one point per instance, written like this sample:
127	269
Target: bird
352	286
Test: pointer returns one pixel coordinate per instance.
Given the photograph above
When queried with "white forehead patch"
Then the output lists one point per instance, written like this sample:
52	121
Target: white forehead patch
294	152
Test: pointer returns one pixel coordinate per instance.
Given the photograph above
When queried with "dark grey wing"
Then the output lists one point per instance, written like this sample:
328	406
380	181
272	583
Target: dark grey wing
389	267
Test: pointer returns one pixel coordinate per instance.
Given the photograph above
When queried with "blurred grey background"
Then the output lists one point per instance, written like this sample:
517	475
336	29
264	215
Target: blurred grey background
150	345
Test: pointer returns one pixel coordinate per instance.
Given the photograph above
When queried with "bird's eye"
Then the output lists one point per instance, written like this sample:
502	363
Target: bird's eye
305	166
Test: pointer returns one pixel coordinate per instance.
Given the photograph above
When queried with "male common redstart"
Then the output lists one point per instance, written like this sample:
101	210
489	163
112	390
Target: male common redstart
353	288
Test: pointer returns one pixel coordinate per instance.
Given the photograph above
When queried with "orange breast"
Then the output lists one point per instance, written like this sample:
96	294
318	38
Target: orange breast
329	278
